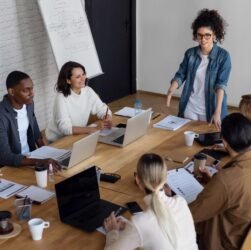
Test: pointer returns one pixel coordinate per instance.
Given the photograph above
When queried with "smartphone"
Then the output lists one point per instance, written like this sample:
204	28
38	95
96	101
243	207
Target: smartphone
134	207
216	163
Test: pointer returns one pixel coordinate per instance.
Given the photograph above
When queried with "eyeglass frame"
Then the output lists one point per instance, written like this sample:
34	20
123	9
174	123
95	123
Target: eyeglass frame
207	36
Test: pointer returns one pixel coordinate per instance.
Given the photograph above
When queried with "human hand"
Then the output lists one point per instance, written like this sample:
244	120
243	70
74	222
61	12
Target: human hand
113	223
167	190
216	119
107	122
205	175
55	164
219	147
169	97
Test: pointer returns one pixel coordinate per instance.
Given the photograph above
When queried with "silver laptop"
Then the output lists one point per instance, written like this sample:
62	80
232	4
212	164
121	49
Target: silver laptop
81	150
136	127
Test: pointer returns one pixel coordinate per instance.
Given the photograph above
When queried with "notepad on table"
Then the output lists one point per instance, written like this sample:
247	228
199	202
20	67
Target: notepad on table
47	152
184	184
126	111
171	123
9	188
36	194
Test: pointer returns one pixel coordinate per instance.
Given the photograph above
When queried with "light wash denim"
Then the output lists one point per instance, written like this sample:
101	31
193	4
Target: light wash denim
217	76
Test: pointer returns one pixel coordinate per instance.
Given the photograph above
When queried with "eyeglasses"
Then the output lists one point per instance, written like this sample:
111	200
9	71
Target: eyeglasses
201	36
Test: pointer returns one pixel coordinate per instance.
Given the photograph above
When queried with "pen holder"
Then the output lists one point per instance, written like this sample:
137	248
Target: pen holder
23	208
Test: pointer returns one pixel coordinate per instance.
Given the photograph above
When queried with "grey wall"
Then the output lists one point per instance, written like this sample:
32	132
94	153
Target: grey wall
163	29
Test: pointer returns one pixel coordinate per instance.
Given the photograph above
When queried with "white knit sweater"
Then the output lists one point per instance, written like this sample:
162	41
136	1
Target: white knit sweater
74	110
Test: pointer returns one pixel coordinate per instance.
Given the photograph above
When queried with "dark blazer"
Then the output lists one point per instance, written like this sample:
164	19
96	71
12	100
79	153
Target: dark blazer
10	145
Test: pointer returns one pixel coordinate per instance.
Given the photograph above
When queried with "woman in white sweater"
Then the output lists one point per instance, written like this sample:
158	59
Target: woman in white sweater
166	223
74	103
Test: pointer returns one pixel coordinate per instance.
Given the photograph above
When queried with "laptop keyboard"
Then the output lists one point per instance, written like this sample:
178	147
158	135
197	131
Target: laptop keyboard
65	162
64	159
119	140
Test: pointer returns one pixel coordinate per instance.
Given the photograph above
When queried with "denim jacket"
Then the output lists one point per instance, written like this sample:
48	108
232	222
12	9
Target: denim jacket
10	150
217	75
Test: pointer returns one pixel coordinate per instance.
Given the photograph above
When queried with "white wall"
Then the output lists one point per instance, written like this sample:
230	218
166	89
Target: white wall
24	46
164	33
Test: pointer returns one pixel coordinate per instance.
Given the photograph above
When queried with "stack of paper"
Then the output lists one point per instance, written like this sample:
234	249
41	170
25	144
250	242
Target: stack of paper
9	188
184	184
171	123
48	152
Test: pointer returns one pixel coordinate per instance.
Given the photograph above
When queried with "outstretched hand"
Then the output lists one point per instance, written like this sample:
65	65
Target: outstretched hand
216	119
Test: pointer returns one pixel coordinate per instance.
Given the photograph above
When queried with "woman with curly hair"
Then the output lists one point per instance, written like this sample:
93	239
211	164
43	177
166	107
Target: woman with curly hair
205	70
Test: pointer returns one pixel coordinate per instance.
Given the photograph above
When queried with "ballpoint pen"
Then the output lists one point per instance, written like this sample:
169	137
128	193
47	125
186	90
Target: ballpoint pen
118	211
106	113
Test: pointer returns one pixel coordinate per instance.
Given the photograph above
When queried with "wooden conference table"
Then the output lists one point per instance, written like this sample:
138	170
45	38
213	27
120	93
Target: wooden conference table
110	159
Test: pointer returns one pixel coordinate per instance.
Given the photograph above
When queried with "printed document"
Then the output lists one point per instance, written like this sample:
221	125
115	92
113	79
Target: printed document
48	152
127	111
171	123
9	188
184	184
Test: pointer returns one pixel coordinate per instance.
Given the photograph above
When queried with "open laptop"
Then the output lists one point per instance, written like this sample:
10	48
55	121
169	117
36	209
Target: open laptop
79	202
81	150
209	139
136	127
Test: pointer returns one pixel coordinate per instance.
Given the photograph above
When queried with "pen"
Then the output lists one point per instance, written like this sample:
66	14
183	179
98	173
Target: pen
118	211
106	113
154	117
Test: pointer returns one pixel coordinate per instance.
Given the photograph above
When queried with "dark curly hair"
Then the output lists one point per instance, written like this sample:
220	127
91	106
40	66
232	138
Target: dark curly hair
65	73
212	19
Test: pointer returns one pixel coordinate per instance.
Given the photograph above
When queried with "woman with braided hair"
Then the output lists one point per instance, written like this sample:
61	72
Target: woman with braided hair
166	223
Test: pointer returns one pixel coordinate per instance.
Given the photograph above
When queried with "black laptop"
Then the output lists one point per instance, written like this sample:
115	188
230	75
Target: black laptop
79	201
209	139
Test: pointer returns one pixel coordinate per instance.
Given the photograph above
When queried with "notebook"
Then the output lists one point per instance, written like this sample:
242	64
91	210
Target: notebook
36	194
171	123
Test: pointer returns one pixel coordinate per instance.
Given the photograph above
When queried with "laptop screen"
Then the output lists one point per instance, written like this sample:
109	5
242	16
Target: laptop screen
77	192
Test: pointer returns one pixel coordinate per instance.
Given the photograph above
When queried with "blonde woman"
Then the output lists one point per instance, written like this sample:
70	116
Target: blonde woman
166	223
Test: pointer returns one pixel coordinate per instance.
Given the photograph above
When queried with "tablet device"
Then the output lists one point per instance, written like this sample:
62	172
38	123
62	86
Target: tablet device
209	139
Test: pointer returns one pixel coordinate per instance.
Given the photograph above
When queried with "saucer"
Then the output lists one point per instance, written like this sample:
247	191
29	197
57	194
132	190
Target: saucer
16	231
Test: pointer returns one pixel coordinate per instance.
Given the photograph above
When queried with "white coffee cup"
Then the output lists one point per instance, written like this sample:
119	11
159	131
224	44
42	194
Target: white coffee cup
189	137
36	227
41	175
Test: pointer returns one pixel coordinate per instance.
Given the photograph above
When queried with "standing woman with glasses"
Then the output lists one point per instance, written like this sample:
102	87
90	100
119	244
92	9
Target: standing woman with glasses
166	223
205	70
74	103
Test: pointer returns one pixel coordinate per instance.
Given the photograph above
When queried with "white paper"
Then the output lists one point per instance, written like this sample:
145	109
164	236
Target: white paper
171	123
127	111
184	184
48	152
36	194
9	188
102	229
